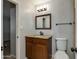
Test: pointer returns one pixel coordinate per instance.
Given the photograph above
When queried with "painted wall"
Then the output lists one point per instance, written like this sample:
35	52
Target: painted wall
6	20
61	10
13	31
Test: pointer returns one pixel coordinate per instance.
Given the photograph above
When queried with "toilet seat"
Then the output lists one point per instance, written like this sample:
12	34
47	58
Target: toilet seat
61	55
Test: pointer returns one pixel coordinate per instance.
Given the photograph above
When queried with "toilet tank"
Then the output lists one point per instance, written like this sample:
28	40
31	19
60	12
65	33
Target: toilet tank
61	43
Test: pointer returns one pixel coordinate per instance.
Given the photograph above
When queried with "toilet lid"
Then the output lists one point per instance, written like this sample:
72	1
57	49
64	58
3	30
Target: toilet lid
61	55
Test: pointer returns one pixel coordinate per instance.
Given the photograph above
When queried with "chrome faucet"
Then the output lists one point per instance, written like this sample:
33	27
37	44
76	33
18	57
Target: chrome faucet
41	33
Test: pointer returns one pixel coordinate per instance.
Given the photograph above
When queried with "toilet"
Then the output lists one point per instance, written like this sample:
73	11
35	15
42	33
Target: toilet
61	44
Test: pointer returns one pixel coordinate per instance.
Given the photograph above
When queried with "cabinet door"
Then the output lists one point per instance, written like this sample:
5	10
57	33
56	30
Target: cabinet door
29	49
41	51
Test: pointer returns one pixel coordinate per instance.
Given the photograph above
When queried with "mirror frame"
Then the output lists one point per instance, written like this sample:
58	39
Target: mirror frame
42	25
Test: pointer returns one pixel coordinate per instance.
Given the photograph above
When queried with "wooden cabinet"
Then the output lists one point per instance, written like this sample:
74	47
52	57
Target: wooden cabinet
41	52
29	49
37	48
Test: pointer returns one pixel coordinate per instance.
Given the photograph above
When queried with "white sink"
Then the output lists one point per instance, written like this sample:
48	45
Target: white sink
40	36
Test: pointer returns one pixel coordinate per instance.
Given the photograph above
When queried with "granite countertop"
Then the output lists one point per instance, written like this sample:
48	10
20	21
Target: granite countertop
40	36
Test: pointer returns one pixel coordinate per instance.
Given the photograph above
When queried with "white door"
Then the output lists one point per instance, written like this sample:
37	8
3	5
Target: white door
1	29
1	48
13	31
1	42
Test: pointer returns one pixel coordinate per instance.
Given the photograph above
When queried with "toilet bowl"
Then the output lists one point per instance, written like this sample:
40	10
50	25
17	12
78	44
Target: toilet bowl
61	55
61	48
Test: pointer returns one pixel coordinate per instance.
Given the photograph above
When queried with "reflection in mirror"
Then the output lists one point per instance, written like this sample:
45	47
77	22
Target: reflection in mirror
39	22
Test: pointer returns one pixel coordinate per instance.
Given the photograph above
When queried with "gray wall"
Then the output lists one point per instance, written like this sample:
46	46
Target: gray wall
13	31
6	20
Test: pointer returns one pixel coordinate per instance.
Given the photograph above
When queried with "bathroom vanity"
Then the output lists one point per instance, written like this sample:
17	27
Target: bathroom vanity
38	47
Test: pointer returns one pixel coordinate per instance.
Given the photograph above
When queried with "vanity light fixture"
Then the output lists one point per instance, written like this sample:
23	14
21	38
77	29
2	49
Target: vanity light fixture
43	9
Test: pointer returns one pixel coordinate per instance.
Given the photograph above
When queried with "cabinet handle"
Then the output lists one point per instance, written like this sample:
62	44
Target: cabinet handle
74	49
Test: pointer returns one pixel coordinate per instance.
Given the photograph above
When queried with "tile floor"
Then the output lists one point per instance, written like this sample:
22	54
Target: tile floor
7	47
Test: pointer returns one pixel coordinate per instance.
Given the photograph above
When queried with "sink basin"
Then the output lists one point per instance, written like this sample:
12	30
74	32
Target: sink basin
40	36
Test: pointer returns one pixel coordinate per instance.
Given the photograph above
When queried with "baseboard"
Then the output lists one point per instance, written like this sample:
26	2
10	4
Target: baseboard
13	56
10	56
51	58
25	57
7	56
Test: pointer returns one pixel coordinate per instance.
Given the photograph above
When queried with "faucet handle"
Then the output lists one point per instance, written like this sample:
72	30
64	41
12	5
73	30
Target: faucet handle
41	33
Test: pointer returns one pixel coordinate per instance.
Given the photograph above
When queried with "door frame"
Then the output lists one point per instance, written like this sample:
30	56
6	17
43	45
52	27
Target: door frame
75	27
74	22
17	6
17	17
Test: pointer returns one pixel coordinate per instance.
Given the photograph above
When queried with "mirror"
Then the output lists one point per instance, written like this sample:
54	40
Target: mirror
43	21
